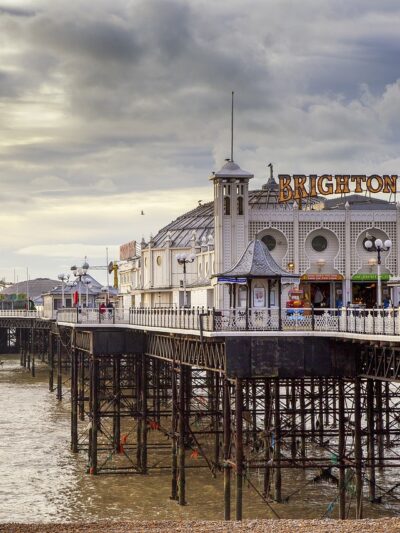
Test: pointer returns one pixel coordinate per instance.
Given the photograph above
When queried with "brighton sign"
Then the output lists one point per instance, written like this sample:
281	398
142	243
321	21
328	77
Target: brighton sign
300	186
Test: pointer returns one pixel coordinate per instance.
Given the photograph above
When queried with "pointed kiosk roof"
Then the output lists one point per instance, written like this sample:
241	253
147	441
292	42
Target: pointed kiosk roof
257	262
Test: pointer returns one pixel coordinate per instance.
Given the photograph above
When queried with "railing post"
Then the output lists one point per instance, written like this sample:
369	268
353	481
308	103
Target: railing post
347	318
373	319
312	318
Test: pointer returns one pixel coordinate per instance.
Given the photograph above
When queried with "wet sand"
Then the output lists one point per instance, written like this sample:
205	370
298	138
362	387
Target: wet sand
386	525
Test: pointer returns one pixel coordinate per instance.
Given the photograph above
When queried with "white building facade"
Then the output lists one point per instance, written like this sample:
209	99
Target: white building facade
322	241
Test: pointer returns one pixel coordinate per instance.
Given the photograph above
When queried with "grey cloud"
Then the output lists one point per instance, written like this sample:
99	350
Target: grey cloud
135	95
16	12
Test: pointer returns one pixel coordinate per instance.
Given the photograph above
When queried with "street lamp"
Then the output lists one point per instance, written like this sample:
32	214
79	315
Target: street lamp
63	278
88	285
184	259
379	247
79	273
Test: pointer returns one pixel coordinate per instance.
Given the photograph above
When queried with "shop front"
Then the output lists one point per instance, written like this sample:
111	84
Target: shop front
364	289
322	290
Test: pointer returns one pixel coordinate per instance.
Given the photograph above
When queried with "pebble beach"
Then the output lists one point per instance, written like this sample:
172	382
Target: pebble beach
247	526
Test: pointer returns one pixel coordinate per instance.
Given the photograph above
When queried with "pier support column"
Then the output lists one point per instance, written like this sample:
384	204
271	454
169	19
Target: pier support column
277	444
138	403
370	441
117	402
182	440
143	455
267	440
341	452
174	424
320	421
74	400
216	419
239	447
95	414
293	443
357	446
302	421
312	408
227	449
59	369
51	363
379	423
81	377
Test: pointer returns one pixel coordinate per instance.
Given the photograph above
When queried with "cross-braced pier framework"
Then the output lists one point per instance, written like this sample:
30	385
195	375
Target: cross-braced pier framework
171	406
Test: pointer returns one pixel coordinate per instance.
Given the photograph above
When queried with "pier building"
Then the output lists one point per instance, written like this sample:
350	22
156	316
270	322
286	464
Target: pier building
322	239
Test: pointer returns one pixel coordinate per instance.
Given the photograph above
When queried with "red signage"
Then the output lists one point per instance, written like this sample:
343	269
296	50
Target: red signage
127	251
322	277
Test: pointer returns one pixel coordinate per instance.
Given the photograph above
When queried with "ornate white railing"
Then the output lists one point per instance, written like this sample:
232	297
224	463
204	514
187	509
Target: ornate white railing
364	321
18	313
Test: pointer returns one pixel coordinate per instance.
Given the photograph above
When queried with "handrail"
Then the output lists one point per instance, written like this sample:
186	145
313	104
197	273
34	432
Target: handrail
18	313
376	321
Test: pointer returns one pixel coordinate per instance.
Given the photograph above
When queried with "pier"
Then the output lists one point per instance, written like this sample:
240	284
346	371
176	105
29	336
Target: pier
244	395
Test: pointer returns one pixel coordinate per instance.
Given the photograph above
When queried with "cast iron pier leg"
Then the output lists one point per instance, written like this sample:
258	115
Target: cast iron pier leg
239	447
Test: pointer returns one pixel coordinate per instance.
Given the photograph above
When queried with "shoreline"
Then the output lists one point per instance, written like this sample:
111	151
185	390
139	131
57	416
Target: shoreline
387	525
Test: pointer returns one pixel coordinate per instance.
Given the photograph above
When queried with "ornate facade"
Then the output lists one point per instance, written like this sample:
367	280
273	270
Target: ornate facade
321	240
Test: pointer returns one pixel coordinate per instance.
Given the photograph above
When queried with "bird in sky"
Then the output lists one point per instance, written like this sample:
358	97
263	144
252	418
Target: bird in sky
142	212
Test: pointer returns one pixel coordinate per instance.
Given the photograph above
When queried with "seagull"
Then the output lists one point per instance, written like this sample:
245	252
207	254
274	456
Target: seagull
142	212
199	202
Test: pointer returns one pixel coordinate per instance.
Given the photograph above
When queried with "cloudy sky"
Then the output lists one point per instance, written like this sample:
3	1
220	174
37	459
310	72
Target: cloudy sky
110	107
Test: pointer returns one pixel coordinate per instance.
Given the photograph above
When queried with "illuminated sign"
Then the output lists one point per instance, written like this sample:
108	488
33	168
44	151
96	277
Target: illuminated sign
322	277
300	186
370	277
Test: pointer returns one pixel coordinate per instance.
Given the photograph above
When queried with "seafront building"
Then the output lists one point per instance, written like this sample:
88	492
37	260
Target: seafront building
322	240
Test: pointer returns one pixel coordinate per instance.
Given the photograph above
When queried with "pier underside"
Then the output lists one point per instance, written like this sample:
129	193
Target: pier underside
249	409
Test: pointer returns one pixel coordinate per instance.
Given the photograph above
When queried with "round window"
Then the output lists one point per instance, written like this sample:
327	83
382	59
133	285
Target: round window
269	241
159	260
319	243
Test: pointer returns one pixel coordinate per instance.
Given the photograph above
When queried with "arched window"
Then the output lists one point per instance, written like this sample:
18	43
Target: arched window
227	205
240	205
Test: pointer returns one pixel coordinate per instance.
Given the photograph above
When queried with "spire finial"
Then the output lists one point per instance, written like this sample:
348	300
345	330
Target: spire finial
271	170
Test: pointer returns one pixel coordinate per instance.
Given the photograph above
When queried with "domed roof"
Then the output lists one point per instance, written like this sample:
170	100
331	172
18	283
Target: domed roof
180	231
231	170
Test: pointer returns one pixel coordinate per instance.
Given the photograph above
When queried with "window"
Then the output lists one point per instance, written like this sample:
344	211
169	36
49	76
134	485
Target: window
227	205
242	296
319	243
159	260
240	205
269	242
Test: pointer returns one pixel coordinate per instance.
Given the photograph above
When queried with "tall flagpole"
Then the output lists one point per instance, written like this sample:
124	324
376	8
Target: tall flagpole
232	128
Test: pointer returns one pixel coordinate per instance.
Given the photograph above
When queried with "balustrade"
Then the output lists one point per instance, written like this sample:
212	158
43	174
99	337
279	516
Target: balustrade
376	321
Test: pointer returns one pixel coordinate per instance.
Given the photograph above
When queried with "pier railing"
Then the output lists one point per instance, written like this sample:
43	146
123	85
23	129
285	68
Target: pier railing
374	321
19	313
